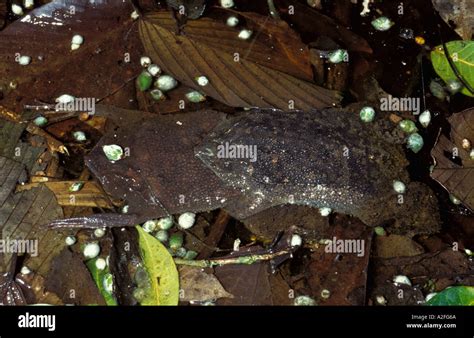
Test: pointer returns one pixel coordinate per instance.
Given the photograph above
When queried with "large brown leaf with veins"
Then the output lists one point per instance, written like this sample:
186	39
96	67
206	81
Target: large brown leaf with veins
273	67
457	178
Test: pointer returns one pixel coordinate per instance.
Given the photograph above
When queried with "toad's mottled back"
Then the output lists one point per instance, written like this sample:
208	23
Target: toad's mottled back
320	158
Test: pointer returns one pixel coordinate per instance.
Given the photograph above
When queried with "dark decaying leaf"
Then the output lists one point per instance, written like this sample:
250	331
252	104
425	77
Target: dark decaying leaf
198	285
3	13
432	271
458	12
123	263
10	133
457	178
312	22
343	274
71	281
22	217
10	173
396	246
206	48
252	284
95	70
22	214
193	8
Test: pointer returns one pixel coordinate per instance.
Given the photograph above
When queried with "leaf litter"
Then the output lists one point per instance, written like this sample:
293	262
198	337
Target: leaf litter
278	63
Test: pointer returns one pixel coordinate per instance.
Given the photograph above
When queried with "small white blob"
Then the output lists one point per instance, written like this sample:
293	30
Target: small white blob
226	3
113	152
70	240
401	279
65	98
454	199
99	232
202	80
162	236
304	301
325	294
17	10
195	96
134	15
245	34
145	61
381	300
25	270
165	83
100	264
186	220
399	187
77	39
91	250
325	211
296	240
24	60
232	21
154	70
425	118
29	4
79	136
165	223
236	246
150	226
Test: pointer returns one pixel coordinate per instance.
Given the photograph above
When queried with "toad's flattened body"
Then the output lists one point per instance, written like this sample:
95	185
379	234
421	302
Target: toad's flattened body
184	162
321	159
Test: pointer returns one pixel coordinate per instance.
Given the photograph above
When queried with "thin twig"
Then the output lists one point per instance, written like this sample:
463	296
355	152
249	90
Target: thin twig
247	260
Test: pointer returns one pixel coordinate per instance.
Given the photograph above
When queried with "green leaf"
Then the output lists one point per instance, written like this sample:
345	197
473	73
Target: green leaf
164	278
98	276
462	54
457	295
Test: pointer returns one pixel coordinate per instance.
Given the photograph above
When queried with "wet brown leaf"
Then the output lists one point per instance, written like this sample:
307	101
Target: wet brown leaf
95	70
252	284
193	8
3	13
314	23
71	281
458	12
23	213
207	48
431	271
396	246
457	178
343	274
197	285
